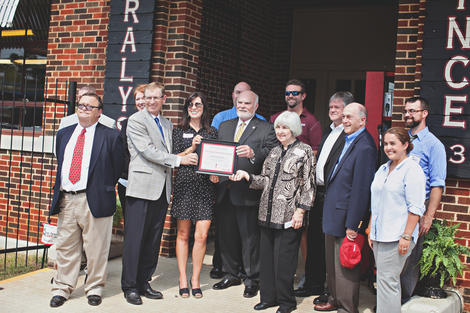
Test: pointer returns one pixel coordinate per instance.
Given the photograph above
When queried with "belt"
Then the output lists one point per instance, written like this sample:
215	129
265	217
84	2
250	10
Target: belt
74	192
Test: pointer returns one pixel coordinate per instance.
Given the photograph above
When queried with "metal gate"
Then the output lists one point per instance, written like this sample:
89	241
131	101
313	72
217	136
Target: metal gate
28	122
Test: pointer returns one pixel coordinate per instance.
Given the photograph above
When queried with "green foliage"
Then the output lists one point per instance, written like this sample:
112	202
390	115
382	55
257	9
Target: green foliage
440	257
118	214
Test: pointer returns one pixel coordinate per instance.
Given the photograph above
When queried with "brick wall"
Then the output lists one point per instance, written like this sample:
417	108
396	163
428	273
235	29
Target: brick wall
24	194
456	199
174	63
76	48
244	41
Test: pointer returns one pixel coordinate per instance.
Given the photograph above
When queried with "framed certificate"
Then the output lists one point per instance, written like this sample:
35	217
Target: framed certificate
217	157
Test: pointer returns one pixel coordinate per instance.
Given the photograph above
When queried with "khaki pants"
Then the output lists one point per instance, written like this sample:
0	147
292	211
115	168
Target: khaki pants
78	230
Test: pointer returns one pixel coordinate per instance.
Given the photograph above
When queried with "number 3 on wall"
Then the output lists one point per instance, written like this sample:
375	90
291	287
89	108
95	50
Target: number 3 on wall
459	154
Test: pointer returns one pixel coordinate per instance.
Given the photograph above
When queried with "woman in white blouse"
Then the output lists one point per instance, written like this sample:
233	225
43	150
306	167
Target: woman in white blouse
397	203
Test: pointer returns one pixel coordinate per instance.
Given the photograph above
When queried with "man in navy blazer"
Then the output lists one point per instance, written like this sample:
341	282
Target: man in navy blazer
89	163
346	207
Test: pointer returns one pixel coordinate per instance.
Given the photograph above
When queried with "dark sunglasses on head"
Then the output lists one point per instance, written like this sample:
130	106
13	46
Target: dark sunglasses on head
294	93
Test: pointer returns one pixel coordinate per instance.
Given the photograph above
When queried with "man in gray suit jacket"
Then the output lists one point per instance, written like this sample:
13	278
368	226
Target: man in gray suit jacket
148	193
237	204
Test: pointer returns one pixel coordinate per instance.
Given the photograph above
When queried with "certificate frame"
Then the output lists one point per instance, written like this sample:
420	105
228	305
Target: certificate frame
223	151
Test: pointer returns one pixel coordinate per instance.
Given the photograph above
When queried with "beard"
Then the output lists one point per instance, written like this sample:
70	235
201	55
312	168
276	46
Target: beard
412	123
292	103
245	115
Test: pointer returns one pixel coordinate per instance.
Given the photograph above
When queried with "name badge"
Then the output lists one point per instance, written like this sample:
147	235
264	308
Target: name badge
188	135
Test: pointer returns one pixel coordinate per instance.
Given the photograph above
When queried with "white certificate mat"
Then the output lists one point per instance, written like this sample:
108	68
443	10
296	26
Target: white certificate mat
217	157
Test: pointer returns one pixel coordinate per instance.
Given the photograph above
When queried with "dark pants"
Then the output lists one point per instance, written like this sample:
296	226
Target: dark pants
279	252
410	274
216	259
122	199
239	240
315	268
142	236
343	283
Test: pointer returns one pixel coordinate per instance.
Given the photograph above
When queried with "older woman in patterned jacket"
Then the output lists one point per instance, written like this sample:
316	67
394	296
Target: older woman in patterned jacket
287	180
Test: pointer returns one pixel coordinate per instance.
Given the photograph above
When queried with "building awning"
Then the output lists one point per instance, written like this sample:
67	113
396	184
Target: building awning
7	12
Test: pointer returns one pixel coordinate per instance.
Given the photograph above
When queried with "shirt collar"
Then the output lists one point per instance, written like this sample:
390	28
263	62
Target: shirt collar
387	165
421	134
246	122
351	137
339	127
89	128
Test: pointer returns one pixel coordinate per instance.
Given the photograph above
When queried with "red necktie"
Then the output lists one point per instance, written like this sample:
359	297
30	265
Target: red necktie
76	166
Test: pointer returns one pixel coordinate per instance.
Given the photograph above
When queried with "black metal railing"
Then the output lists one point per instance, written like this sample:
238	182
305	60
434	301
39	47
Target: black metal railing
26	166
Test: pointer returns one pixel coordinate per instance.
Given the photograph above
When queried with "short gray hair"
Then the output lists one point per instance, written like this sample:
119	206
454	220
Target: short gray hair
344	96
291	120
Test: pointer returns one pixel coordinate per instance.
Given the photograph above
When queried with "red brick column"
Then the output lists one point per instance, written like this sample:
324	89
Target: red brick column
174	63
76	50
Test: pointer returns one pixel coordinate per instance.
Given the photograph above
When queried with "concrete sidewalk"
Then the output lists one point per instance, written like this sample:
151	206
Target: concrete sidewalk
31	293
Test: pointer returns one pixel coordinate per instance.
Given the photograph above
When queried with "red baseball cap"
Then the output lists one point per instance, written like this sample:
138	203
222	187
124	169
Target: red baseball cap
350	251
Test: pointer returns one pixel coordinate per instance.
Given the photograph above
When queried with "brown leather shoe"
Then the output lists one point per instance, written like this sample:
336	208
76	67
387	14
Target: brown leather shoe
325	307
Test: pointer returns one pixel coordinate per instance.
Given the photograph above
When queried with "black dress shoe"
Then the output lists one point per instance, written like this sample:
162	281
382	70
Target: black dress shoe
323	298
263	306
152	294
226	282
57	301
216	273
94	300
288	310
250	291
133	297
307	292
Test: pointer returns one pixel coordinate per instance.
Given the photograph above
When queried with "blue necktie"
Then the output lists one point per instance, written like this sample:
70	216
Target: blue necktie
160	126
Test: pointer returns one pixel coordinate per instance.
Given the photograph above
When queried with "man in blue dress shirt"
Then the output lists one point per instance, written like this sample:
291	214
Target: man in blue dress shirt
431	154
230	114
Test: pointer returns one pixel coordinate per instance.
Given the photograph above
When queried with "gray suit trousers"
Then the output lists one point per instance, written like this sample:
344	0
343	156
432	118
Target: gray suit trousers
389	265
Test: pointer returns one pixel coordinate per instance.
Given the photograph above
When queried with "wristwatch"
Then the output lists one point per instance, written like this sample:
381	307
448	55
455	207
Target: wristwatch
252	159
406	237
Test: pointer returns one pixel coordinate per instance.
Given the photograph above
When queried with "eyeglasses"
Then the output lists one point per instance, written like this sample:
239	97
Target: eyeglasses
153	98
197	105
411	111
87	107
294	93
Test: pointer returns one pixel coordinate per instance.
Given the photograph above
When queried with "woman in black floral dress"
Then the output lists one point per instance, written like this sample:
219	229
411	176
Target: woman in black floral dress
194	194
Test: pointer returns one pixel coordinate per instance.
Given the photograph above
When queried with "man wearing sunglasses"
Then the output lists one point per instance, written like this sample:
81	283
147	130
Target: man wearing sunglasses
311	128
89	163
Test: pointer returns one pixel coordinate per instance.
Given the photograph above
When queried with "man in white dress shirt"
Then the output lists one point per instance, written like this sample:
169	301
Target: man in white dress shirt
89	163
331	144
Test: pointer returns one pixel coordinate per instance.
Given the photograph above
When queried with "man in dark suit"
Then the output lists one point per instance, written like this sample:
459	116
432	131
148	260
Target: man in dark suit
346	207
330	147
148	193
237	205
89	162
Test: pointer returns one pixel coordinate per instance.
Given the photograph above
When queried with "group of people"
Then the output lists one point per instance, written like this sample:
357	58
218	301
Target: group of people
294	186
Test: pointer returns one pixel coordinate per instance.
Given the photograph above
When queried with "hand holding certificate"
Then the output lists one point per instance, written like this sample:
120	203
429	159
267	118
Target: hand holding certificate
217	157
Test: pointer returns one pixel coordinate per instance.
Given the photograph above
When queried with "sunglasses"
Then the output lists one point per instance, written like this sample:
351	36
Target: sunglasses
294	93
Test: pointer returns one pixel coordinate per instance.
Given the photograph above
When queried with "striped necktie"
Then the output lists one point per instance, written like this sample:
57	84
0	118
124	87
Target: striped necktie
239	132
